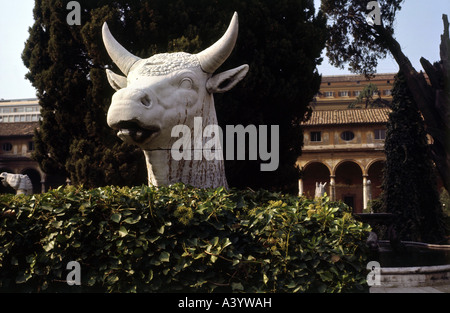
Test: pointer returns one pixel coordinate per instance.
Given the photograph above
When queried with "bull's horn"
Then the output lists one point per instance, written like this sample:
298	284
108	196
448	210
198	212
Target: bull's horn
214	56
120	56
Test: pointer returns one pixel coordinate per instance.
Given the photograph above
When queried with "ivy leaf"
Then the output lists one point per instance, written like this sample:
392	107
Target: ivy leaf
215	241
237	286
132	220
160	230
23	277
116	217
265	278
49	246
123	231
164	257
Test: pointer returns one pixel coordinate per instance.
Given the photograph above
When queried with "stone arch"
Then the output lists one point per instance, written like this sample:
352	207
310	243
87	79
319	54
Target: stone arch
349	184
317	161
6	169
314	171
348	160
35	177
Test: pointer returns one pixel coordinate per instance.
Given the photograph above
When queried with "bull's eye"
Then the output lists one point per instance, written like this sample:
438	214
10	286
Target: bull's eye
186	83
146	101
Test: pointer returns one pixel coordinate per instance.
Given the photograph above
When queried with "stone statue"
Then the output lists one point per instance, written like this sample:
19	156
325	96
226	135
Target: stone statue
320	190
372	241
21	183
166	90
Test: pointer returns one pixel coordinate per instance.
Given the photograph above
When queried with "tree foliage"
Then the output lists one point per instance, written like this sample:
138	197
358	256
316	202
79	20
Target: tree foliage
280	40
409	182
352	40
64	66
367	97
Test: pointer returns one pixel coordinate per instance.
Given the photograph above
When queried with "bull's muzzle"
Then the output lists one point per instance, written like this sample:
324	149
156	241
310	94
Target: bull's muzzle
125	113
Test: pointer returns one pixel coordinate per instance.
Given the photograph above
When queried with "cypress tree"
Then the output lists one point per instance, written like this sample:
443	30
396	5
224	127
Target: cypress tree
409	183
73	139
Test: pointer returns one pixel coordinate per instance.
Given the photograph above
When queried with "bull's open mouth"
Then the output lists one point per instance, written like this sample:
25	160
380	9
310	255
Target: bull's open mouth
135	132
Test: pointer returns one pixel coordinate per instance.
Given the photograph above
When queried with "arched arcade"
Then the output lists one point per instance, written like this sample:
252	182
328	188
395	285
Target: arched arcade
354	182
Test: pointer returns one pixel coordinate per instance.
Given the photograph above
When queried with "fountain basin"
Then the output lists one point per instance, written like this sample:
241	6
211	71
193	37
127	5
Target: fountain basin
418	276
417	265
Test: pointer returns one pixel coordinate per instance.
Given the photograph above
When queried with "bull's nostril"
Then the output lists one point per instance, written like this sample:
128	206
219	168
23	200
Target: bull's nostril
146	101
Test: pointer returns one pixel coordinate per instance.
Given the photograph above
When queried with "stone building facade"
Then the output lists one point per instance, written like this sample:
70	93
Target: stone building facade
344	147
18	121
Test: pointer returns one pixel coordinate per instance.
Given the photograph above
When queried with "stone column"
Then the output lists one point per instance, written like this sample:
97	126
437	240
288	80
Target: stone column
369	191
300	187
43	186
332	188
365	192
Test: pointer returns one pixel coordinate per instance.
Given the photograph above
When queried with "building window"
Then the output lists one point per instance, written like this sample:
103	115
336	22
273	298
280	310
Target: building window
386	92
316	136
328	94
30	145
356	93
347	135
343	93
380	134
7	146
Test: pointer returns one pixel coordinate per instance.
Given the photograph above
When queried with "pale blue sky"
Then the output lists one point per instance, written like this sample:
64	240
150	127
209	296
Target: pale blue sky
418	28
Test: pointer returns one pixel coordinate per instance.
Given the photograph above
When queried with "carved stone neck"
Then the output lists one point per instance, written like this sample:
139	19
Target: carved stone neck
204	168
163	169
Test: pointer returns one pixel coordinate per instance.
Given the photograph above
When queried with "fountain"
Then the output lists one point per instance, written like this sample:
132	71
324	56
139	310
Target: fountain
406	263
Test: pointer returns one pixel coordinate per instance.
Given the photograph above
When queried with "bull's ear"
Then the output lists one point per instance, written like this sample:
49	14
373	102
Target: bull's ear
225	81
116	81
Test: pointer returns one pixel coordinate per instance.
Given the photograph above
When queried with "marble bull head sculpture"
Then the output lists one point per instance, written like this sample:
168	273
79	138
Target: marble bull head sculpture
21	183
166	90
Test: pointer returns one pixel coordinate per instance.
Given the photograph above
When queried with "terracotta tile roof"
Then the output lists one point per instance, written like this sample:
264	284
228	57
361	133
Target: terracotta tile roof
18	129
354	78
349	116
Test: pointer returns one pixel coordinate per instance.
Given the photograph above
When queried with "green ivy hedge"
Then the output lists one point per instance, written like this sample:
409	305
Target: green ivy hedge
179	239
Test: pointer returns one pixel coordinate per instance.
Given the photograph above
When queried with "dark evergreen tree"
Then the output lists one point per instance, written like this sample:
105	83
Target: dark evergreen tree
280	40
409	183
73	139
